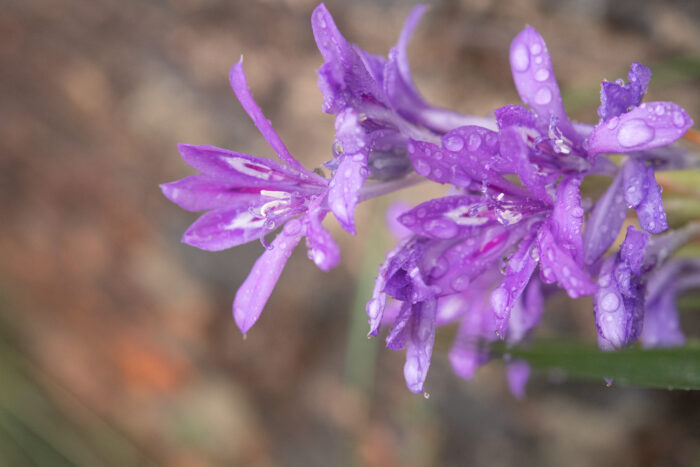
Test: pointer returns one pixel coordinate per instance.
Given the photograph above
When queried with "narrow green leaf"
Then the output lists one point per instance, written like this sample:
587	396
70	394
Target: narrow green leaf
676	368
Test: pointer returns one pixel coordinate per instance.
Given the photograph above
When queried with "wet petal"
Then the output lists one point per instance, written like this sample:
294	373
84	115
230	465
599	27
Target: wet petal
636	181
240	88
605	221
398	336
323	250
521	265
558	265
515	115
516	152
616	98
448	217
256	289
224	228
200	192
419	348
527	313
432	162
352	171
650	211
397	229
651	125
661	322
534	78
470	349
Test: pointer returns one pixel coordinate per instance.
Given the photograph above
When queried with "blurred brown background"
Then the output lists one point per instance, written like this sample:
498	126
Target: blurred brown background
117	345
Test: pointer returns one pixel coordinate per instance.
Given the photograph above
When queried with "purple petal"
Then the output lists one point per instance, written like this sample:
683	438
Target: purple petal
616	98
516	152
534	78
470	348
527	313
651	125
650	212
520	267
398	336
515	115
636	181
239	84
352	171
419	349
323	250
200	192
376	305
397	229
224	228
558	265
448	217
431	161
567	218
633	249
661	323
238	169
517	373
605	222
256	289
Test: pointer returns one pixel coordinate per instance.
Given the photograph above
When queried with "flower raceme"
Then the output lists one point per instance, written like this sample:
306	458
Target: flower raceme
513	229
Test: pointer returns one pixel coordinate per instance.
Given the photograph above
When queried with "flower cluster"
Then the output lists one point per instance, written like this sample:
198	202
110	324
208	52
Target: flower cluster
513	229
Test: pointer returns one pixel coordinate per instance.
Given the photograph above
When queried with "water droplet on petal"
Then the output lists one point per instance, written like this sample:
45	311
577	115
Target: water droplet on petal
660	110
538	60
520	59
460	283
441	228
678	119
439	269
499	300
474	142
610	302
612	123
543	96
453	143
535	48
634	133
408	219
542	74
422	167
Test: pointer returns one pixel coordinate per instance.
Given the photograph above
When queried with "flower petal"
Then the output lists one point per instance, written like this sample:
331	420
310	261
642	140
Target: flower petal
605	221
534	78
636	181
200	192
256	289
517	373
224	228
419	348
239	85
651	125
352	171
650	211
616	98
521	265
398	336
567	218
469	350
448	217
323	250
558	265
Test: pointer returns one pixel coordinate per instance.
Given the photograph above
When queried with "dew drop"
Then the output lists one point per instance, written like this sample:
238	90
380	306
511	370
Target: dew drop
543	96
535	48
659	110
577	212
473	142
604	281
678	119
610	302
499	299
541	75
439	269
612	123
437	173
408	220
441	228
411	147
422	167
519	58
453	143
538	60
421	212
634	133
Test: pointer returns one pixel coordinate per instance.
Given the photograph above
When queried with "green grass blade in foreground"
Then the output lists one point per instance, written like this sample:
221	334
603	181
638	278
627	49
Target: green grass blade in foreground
676	368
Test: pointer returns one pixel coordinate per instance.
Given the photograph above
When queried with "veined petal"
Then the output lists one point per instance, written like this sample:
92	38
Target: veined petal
521	265
239	85
239	169
256	289
419	348
605	221
651	125
200	192
449	217
224	228
558	265
534	78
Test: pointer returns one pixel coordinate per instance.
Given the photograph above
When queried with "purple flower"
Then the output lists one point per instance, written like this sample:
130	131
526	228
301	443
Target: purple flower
377	108
248	197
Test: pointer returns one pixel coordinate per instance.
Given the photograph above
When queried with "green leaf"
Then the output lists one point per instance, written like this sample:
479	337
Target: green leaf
676	368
